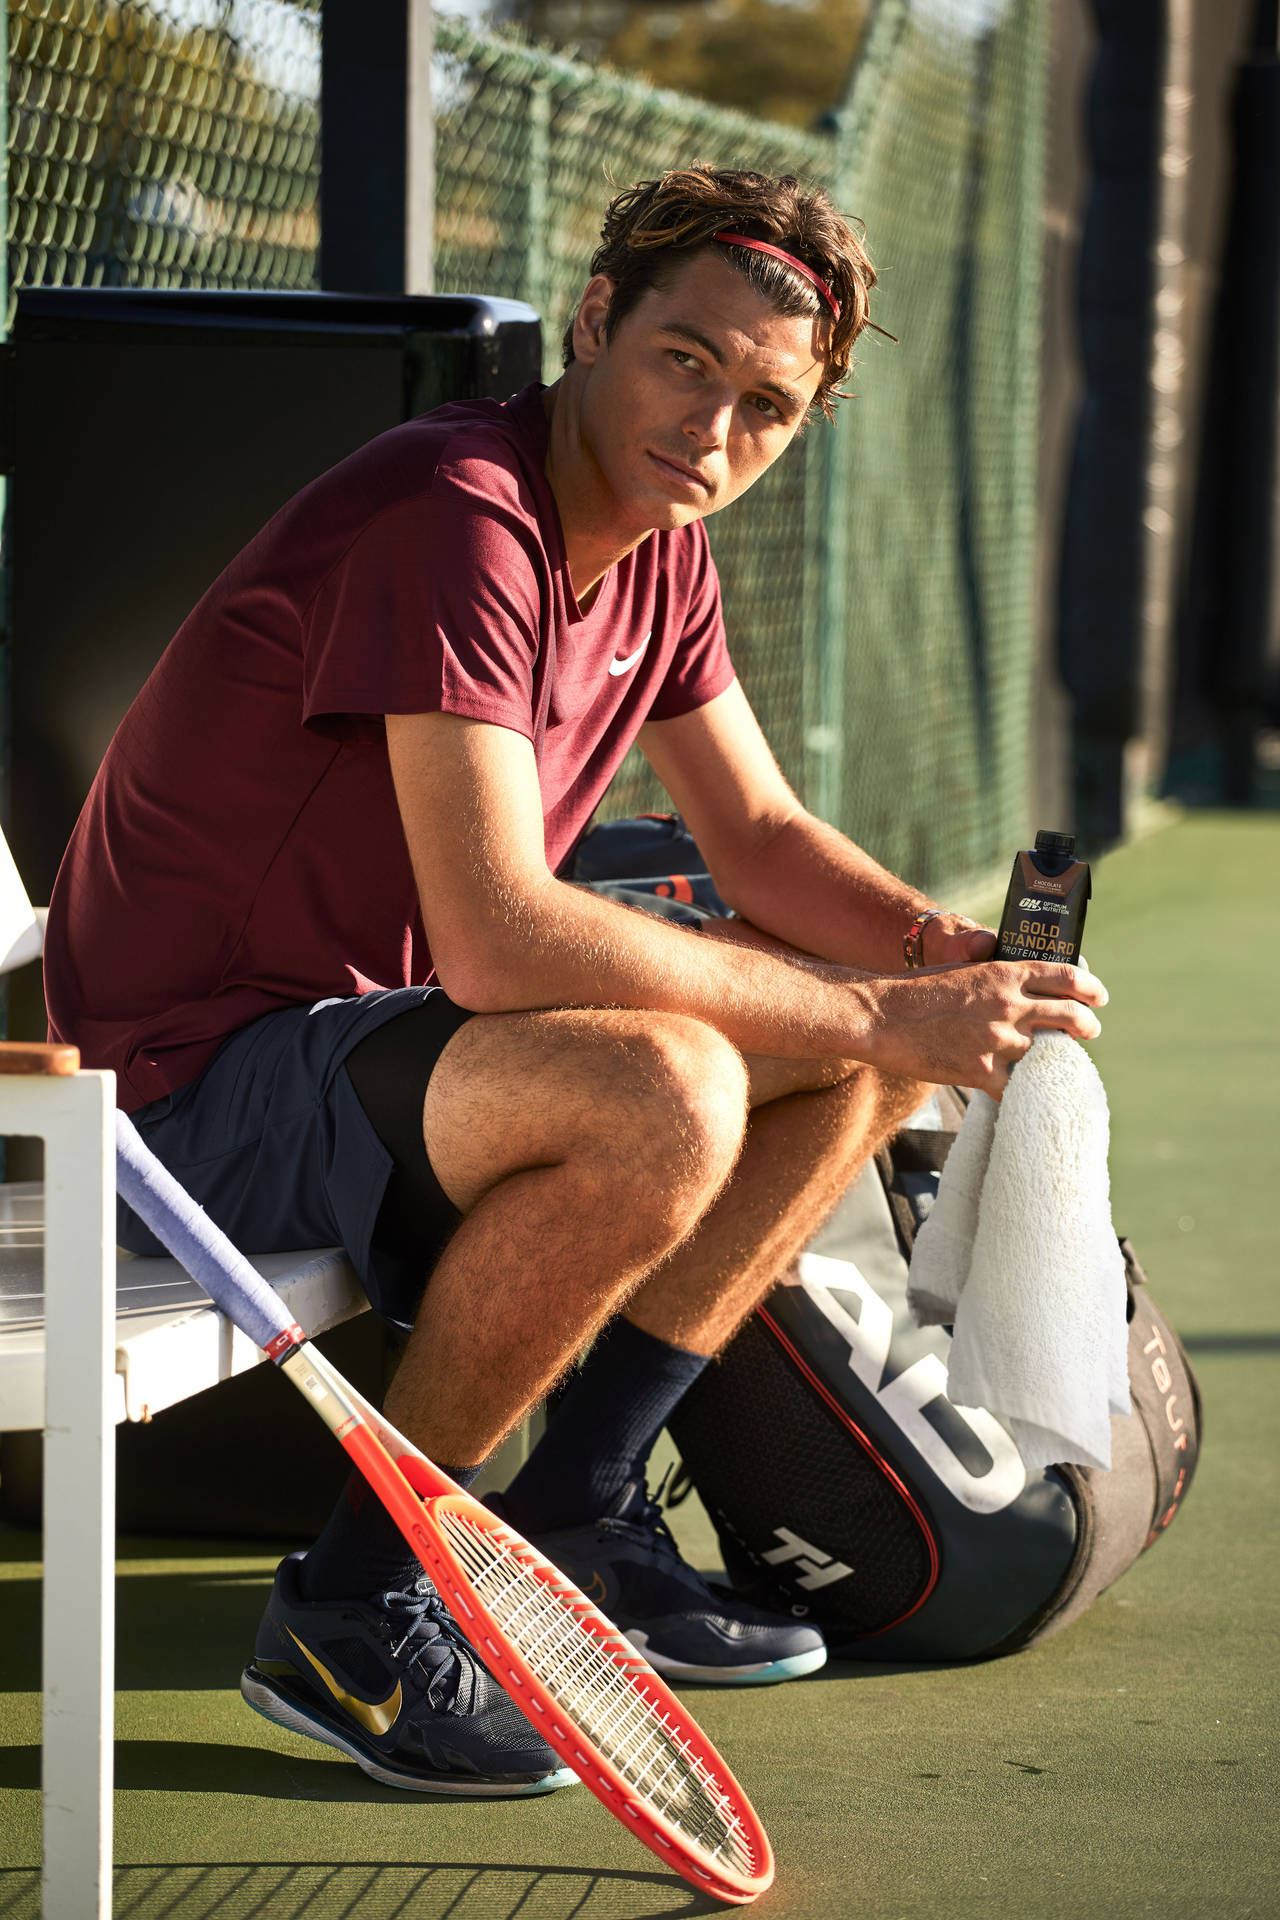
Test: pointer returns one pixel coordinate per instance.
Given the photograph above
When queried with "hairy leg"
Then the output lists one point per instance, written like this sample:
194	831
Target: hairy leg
814	1125
802	1150
581	1147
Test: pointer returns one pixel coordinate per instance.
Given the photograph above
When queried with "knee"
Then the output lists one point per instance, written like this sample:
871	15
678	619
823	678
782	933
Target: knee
638	1103
891	1100
867	1100
690	1087
853	1077
898	1097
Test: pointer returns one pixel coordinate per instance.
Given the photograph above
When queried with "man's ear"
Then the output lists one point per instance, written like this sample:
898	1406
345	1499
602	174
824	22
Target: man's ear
589	323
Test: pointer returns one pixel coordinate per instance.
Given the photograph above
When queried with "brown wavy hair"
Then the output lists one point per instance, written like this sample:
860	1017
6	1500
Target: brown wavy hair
652	227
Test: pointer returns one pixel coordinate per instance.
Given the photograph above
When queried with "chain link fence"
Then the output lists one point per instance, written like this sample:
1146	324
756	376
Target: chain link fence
163	146
878	580
930	635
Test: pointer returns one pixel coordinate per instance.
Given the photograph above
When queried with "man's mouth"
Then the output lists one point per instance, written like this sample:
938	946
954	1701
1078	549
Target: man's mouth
680	472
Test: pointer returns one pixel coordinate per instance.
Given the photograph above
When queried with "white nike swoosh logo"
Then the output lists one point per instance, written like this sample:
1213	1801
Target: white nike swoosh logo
622	666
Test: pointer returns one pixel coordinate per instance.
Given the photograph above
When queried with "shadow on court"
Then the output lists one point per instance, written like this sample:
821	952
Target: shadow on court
1232	1342
174	1631
472	1890
206	1766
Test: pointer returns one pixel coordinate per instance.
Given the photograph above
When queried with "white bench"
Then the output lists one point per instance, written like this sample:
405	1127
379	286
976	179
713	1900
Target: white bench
90	1337
169	1340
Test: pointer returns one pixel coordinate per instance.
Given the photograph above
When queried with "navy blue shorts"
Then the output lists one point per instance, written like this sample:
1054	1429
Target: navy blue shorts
279	1149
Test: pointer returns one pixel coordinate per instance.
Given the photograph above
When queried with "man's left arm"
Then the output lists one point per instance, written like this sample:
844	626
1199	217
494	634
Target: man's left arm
778	866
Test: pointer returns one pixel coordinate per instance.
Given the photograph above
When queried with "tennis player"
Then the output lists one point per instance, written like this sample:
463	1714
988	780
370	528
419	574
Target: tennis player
311	916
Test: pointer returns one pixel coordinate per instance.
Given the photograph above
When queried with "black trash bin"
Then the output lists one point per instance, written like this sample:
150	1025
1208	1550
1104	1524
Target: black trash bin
152	434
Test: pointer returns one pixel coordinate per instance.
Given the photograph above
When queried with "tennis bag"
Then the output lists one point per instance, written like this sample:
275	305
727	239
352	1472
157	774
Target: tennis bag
845	1486
843	1483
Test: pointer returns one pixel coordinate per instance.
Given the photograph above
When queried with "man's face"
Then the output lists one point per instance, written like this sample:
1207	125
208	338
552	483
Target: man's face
701	388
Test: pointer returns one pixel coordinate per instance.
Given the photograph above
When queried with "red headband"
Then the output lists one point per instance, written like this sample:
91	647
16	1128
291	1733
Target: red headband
763	246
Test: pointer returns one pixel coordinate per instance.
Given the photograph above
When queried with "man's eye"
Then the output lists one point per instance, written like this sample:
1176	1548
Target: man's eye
681	358
767	407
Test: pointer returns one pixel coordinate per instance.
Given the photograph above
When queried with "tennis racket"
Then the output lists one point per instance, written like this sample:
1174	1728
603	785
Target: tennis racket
585	1688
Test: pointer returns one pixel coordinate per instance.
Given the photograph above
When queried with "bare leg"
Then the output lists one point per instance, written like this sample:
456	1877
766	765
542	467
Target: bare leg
802	1151
814	1125
582	1491
582	1147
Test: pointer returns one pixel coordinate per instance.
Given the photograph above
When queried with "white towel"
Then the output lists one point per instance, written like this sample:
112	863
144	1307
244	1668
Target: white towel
1018	1254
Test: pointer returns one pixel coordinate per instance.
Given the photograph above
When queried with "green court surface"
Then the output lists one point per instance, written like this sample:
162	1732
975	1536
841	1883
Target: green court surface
1124	1769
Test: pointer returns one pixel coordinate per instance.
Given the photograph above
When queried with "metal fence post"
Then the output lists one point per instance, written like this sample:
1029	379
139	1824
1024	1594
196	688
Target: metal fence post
829	491
1104	552
537	264
825	679
377	174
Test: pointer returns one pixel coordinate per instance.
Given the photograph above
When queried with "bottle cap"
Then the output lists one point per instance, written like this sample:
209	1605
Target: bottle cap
1048	842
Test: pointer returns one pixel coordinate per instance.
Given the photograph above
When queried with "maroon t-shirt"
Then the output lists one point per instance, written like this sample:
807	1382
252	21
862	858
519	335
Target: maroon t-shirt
241	848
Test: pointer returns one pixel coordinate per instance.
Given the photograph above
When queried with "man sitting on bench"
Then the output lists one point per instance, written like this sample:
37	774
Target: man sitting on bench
358	769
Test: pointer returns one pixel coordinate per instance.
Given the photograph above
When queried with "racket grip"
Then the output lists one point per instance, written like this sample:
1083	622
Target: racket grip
194	1241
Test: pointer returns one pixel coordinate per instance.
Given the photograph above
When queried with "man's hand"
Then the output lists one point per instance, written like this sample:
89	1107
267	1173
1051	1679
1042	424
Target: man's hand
971	1024
956	1021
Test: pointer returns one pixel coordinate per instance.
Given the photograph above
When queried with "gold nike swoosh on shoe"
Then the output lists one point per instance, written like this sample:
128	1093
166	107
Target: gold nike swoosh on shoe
597	1590
375	1716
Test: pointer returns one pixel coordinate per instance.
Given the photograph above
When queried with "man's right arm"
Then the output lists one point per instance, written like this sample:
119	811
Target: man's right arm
506	936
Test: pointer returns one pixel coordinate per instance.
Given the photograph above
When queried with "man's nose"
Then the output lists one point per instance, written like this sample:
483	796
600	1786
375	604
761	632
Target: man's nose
707	426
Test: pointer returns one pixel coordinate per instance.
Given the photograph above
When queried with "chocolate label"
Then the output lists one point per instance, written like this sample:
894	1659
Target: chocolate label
1043	916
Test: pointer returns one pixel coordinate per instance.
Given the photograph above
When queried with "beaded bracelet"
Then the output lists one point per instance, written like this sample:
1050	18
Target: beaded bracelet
913	938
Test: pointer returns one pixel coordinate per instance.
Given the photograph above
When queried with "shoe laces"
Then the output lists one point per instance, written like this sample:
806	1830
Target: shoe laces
646	1526
427	1642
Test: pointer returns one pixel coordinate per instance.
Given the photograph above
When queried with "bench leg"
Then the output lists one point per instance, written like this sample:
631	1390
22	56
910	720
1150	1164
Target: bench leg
77	1119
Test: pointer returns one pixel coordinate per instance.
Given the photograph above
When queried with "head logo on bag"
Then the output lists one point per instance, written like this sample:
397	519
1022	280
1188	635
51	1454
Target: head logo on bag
812	1567
968	1449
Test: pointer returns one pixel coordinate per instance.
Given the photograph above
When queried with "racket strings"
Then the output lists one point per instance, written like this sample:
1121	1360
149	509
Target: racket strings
639	1742
596	1692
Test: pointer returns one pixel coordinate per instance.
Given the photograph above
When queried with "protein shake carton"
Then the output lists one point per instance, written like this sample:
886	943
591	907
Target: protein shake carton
1048	897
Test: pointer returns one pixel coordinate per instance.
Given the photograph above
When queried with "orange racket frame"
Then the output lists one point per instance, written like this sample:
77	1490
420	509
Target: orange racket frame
419	1497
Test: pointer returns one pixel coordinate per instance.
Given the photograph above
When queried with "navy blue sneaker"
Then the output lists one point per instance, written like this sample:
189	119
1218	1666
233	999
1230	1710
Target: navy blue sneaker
392	1683
629	1565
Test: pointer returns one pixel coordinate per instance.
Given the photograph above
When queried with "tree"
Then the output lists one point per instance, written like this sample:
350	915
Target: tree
784	60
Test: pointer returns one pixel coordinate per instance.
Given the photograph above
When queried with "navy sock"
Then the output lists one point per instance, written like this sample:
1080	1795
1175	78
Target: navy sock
361	1550
603	1430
